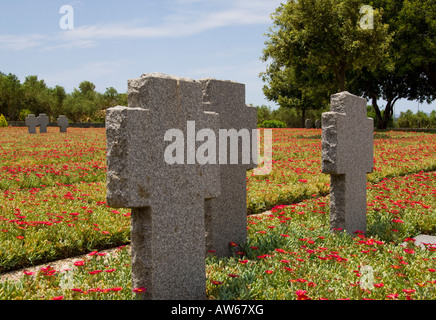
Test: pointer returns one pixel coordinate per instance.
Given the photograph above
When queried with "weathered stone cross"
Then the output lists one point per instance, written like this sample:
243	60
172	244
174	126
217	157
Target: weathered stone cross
167	201
226	215
31	123
62	123
43	122
347	154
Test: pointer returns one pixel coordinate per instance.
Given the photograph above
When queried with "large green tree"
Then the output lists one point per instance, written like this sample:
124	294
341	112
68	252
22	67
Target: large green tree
10	96
411	71
36	96
314	45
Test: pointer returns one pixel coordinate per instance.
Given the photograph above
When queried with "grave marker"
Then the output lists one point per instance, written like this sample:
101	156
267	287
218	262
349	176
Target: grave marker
226	215
167	201
31	123
62	123
347	155
309	124
43	123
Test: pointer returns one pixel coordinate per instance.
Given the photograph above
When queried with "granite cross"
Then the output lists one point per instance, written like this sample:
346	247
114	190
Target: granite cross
226	215
31	123
308	124
167	200
63	123
347	155
43	122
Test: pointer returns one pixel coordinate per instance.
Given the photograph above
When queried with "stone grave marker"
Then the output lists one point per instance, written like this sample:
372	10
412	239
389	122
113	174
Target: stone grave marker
226	215
167	199
309	124
43	123
347	155
318	124
31	123
62	123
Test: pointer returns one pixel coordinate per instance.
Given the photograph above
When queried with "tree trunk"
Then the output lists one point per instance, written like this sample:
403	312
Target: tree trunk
383	119
377	111
303	118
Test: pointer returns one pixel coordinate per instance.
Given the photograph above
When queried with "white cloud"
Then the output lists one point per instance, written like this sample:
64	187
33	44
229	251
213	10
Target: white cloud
186	18
21	42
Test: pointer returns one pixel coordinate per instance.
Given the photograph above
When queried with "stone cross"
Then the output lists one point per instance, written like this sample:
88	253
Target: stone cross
31	123
347	155
309	124
226	215
63	123
43	122
167	199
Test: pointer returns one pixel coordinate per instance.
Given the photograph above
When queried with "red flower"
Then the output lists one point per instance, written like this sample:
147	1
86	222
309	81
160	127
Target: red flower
409	291
301	295
378	285
79	263
58	298
139	290
392	295
94	272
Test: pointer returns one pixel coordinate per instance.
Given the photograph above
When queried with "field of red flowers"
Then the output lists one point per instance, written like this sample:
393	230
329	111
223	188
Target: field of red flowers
52	206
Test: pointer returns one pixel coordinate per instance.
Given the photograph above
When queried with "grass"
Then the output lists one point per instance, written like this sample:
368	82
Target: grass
52	206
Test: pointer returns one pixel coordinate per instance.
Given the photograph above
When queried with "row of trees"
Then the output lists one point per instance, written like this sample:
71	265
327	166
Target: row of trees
84	104
291	117
319	47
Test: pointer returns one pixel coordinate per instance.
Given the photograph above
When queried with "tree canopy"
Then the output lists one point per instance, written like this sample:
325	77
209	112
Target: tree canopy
319	47
84	104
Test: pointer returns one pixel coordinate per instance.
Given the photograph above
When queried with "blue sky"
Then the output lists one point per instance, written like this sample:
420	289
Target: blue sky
113	41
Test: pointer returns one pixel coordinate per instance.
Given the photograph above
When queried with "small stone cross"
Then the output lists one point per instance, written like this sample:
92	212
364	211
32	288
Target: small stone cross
347	155
31	123
43	122
308	124
63	123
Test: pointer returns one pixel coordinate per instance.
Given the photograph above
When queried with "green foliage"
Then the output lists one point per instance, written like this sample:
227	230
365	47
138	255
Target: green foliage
33	96
409	72
272	124
312	47
263	114
3	122
419	120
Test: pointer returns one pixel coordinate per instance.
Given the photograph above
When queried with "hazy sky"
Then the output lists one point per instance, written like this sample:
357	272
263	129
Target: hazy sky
112	41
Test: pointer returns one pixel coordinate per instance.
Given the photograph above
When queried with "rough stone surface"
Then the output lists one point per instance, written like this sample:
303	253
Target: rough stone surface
226	215
347	155
31	123
43	123
167	201
62	123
